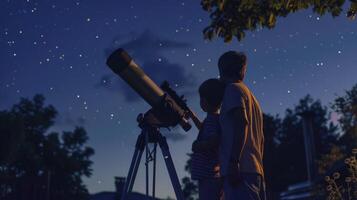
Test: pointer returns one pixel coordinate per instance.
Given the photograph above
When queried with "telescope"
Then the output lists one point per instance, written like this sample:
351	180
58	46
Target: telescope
168	108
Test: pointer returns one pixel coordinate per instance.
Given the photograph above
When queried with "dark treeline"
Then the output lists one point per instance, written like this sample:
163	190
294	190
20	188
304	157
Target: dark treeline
284	156
35	164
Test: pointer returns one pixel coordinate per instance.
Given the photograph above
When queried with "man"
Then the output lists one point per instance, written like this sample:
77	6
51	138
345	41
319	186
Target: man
242	140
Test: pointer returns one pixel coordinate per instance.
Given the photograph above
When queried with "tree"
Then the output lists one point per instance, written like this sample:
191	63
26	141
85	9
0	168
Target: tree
333	164
42	165
271	127
11	134
291	165
232	18
189	187
346	107
325	131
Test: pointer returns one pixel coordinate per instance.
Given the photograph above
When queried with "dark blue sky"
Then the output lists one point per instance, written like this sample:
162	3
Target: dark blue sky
59	48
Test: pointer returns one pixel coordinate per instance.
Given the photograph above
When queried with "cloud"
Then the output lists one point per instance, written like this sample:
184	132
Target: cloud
148	48
113	83
68	120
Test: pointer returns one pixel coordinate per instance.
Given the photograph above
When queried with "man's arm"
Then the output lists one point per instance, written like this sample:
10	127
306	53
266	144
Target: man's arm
238	143
240	134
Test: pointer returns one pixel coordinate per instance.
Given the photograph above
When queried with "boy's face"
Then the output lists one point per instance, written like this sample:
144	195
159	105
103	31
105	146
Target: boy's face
204	104
206	107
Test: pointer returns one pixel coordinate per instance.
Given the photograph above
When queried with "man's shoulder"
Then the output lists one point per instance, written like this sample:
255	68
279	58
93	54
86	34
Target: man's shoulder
237	88
234	96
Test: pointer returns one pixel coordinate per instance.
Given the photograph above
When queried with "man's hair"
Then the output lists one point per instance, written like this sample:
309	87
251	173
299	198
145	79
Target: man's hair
212	90
232	64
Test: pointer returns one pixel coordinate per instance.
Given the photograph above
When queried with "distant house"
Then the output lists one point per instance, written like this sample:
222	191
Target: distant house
116	195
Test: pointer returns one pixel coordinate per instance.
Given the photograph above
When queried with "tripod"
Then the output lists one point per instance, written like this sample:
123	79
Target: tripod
150	133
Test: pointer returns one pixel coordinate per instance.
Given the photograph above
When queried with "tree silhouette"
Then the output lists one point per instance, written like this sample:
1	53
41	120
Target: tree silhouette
189	187
39	165
232	18
346	107
271	126
290	167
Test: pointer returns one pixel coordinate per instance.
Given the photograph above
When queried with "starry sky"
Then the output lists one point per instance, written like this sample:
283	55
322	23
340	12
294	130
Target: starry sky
59	48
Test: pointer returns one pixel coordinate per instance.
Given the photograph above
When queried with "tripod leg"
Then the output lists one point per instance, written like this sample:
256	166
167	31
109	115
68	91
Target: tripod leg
147	152
154	172
130	179
170	167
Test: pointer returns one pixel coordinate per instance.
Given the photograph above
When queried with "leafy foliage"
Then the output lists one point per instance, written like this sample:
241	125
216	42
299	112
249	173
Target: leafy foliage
271	126
284	158
346	107
343	183
189	187
232	18
36	165
327	161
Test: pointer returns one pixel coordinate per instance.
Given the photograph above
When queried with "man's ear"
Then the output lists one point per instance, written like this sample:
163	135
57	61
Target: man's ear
244	71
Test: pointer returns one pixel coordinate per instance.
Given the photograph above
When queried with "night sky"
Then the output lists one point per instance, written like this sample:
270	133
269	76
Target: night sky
59	49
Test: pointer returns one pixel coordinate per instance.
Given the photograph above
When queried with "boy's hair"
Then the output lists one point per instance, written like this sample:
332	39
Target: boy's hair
212	90
233	64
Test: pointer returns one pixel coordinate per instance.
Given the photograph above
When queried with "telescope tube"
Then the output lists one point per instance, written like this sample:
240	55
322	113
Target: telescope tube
124	66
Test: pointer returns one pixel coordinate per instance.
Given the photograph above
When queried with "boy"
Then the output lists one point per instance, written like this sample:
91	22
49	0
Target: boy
204	160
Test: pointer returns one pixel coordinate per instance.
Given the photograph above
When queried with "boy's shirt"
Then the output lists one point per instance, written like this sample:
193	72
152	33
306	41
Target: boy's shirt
205	164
